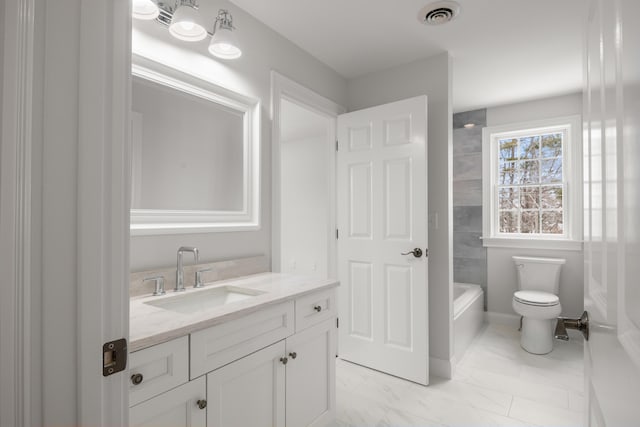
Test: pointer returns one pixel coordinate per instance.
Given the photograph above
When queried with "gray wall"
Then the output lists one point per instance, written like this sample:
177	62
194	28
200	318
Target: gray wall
469	257
431	77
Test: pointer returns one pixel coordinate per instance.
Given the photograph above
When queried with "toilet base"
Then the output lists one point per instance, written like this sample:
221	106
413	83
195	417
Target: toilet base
537	336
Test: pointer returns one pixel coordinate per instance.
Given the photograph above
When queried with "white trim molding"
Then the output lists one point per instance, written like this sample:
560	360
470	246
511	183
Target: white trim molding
572	193
283	88
15	214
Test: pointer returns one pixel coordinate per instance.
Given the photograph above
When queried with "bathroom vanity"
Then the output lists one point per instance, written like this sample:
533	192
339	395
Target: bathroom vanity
253	351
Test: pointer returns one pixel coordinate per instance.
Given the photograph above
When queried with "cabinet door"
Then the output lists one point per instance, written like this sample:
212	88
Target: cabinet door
175	408
249	391
311	398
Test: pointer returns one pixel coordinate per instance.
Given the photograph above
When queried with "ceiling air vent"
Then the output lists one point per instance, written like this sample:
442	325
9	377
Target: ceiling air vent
439	13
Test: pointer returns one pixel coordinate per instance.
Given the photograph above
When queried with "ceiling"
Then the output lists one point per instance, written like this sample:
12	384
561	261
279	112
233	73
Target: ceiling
503	51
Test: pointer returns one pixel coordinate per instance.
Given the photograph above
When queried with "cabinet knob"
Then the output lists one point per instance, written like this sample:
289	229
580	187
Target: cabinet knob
284	360
293	355
136	379
317	308
202	403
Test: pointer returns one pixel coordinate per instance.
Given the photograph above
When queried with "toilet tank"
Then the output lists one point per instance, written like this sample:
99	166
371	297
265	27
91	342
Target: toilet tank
538	274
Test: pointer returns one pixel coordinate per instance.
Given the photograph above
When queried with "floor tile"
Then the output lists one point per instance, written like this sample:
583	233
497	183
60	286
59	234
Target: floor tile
496	383
546	415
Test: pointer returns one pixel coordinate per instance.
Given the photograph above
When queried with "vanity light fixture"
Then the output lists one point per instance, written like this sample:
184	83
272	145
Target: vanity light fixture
185	23
223	42
145	9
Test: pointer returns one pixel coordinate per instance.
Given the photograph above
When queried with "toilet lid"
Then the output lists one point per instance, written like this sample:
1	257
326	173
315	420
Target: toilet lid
543	299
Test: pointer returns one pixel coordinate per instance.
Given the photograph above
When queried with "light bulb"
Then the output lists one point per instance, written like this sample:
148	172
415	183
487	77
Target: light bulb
185	24
144	10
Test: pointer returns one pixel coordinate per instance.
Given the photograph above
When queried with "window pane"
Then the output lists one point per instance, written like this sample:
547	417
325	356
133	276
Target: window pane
551	171
508	149
529	222
551	197
552	222
530	197
529	172
508	198
552	145
529	147
508	222
508	173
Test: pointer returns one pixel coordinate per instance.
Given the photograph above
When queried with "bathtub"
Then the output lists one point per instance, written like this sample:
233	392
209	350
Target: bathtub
468	315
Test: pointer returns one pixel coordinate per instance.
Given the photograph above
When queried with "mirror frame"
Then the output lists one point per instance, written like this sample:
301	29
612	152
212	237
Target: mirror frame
156	222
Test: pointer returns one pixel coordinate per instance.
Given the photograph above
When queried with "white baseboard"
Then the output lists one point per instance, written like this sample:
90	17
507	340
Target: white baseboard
511	320
441	367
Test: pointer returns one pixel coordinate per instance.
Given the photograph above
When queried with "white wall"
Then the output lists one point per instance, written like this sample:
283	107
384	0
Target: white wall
501	272
305	202
431	77
263	51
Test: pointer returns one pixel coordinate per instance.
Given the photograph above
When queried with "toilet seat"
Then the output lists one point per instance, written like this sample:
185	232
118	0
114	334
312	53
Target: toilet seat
536	298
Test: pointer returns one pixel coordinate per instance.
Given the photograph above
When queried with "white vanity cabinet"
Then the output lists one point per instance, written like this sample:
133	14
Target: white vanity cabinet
311	376
273	367
290	383
183	406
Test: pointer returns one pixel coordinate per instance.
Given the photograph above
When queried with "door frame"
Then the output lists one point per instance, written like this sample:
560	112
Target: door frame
284	88
94	133
15	212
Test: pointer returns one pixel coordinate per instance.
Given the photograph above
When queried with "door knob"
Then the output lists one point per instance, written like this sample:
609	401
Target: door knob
136	379
201	403
417	252
284	360
293	355
581	324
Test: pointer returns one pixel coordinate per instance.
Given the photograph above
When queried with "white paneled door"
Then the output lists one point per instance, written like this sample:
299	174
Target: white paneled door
382	229
612	212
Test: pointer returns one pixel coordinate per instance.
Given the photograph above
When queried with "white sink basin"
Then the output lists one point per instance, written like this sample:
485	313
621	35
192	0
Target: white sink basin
190	302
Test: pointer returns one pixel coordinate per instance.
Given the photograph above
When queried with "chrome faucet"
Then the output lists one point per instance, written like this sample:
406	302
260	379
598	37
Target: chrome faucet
179	271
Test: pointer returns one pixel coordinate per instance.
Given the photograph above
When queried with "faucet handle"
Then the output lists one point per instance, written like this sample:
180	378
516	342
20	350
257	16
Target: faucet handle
159	281
199	283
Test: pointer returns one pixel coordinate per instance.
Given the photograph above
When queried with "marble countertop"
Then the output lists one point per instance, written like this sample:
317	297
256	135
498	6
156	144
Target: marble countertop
150	325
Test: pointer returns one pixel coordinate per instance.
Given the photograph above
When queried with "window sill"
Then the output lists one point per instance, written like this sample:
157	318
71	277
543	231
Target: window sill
549	244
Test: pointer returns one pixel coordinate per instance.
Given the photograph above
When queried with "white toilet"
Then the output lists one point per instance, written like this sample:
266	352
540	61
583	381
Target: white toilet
537	301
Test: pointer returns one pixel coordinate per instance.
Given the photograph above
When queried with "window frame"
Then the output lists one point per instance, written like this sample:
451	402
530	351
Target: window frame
571	239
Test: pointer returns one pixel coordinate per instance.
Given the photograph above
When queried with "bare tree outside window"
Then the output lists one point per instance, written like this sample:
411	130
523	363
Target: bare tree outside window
530	184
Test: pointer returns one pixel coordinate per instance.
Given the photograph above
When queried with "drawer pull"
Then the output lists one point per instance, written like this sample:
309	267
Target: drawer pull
136	379
317	308
284	360
202	403
293	355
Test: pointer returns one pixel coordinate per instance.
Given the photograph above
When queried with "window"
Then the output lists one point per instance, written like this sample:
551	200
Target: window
532	182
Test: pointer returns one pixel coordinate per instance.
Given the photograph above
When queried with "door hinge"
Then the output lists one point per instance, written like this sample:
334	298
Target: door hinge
337	322
337	234
336	145
114	357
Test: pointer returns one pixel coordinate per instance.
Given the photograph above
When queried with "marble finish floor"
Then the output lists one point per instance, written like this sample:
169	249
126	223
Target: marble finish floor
495	384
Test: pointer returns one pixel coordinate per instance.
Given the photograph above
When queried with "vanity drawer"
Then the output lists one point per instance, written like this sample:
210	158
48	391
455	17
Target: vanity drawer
159	368
222	344
314	308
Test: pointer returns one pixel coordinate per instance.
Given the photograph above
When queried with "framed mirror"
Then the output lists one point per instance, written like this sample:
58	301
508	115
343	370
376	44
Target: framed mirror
195	154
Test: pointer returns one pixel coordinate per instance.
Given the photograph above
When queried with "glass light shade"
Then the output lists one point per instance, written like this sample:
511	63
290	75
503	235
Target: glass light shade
144	9
186	24
224	44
